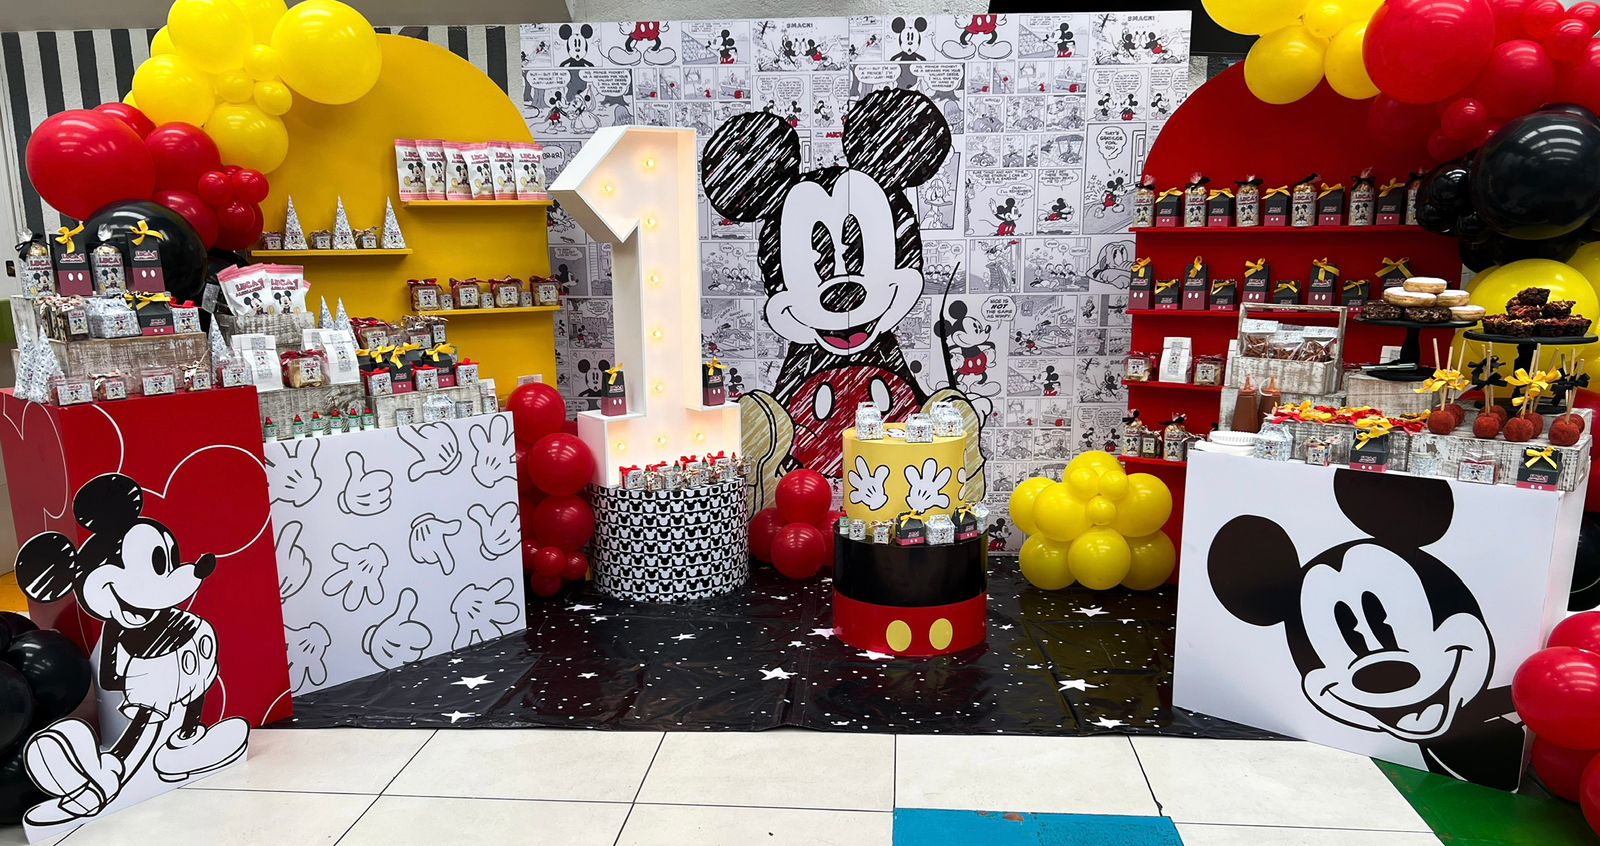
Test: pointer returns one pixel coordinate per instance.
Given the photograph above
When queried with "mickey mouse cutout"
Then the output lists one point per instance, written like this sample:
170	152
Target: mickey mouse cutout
162	659
1386	637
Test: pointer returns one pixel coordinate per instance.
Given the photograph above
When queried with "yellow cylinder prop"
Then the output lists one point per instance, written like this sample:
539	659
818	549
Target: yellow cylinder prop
888	477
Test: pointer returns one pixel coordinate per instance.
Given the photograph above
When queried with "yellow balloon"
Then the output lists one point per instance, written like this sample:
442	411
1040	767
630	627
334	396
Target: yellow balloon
1285	65
261	62
1324	18
1095	460
211	33
1145	509
234	86
128	98
1101	511
1346	70
273	97
161	44
1083	482
171	88
1114	484
1153	561
1563	280
248	137
1254	17
262	15
1587	261
1044	563
1478	278
1100	558
328	52
1059	515
1021	505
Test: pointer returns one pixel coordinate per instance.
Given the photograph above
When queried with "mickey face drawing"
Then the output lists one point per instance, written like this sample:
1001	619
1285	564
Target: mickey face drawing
1386	637
908	37
577	42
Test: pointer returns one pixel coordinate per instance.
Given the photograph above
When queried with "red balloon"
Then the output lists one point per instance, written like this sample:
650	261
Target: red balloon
564	521
537	409
1560	768
1443	147
530	548
803	496
1588	12
1508	19
251	186
549	561
1589	794
1464	118
525	508
81	161
799	551
181	153
576	569
1402	127
136	120
1579	630
1422	51
562	463
1540	15
1557	694
239	226
1518	79
215	188
525	483
545	587
1566	41
1578	81
763	527
194	210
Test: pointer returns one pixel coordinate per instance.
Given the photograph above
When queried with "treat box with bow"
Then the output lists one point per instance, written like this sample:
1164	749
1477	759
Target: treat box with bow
1196	286
1275	206
1224	295
1168	295
1141	285
1391	204
1219	208
1324	283
1257	281
1169	208
1393	273
1331	205
154	312
70	251
145	274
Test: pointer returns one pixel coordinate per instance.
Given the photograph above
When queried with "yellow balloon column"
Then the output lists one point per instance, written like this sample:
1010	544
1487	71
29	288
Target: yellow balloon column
1301	43
1099	527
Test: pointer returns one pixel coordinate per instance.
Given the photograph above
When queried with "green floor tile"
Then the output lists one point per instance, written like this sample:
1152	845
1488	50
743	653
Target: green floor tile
1463	814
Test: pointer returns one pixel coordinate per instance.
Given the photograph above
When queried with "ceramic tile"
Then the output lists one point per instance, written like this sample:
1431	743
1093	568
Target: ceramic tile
799	769
674	825
321	760
234	817
584	766
1029	774
419	821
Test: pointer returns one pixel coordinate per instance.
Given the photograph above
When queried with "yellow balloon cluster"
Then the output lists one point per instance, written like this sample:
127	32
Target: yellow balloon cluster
234	66
1099	526
1301	43
1575	279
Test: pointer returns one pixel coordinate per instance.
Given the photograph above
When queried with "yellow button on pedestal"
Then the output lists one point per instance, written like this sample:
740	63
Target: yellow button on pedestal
941	633
899	635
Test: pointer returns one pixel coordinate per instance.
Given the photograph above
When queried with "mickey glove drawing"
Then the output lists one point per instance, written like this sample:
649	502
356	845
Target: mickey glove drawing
297	482
436	447
398	639
494	457
307	650
359	580
501	531
428	542
294	568
483	613
367	492
866	484
927	486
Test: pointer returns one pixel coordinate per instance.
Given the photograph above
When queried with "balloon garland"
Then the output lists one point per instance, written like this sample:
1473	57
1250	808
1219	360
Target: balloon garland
1099	527
797	535
553	467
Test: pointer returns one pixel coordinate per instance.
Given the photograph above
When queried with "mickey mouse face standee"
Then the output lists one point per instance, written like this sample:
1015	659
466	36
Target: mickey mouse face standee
1386	637
162	659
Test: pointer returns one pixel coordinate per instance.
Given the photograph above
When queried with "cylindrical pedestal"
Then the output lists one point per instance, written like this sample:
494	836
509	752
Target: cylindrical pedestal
887	477
916	601
670	546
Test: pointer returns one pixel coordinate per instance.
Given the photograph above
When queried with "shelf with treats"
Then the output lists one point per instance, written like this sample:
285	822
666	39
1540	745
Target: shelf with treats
1173	386
1141	461
474	204
457	312
261	254
1279	230
1230	315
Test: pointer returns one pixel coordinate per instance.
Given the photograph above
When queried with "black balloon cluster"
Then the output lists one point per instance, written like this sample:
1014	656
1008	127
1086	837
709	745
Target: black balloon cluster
1533	191
43	677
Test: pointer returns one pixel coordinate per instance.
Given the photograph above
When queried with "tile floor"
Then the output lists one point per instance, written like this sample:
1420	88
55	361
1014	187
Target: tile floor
575	788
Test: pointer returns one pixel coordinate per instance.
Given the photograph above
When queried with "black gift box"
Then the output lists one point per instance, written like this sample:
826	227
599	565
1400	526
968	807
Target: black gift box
1372	456
1141	285
144	264
1540	469
1224	295
1324	282
1196	286
1391	208
1219	208
1286	291
713	383
1169	208
69	250
1394	273
1168	295
1330	204
154	312
1354	293
1257	281
614	393
1275	206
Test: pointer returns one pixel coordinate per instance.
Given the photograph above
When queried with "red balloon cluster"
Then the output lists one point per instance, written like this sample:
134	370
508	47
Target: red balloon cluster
552	469
1451	72
797	536
83	160
1557	694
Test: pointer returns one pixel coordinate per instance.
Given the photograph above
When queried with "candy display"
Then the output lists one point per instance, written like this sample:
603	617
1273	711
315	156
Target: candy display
451	170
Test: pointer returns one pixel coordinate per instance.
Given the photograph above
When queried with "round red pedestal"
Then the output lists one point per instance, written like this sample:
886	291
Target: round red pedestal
918	630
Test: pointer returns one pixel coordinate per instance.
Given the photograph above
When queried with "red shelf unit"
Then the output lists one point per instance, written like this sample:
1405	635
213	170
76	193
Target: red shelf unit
1286	231
1173	386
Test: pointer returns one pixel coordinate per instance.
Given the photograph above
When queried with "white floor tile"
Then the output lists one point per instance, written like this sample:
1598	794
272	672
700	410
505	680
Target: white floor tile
416	821
800	769
11	835
675	825
1195	834
321	760
584	766
237	818
1062	775
1267	782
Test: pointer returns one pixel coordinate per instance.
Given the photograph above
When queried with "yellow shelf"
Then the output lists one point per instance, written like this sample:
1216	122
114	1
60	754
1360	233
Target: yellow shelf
325	253
452	312
472	203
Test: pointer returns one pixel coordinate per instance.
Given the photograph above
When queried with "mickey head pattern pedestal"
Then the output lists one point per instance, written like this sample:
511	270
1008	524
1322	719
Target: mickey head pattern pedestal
670	546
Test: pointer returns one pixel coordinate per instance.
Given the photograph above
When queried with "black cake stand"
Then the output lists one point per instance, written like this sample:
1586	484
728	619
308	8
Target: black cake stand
1408	367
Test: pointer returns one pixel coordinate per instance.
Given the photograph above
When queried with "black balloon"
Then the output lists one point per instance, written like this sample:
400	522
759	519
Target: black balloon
1539	176
11	625
16	705
56	670
1447	186
1470	227
1436	218
183	256
1478	256
1586	568
17	791
219	260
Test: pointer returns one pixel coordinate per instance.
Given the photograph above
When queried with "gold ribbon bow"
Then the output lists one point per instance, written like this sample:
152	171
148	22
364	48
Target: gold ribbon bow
1324	268
1197	266
613	372
1255	266
440	350
1139	265
141	229
1546	455
1388	187
1222	192
1442	380
1533	385
1164	284
1287	285
1220	285
714	365
65	236
148	299
1170	192
1273	192
1329	189
1370	429
1399	264
1355	284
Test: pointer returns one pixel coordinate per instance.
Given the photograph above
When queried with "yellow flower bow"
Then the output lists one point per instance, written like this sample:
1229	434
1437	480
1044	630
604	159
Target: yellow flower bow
65	236
1372	428
613	372
1533	386
142	229
1536	455
714	365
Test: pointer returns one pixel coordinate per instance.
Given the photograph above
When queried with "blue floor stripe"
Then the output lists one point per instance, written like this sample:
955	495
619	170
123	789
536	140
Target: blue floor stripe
917	827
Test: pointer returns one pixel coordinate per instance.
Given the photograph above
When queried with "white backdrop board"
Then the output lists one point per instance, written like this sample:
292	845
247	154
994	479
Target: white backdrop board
1383	614
395	545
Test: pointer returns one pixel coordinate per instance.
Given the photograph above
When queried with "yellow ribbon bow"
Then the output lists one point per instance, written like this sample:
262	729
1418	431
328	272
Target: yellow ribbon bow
1546	455
1370	429
440	350
1222	192
1170	192
141	229
1197	266
1273	192
613	372
1329	189
148	299
1324	268
1255	266
1441	380
1355	284
714	365
397	354
1399	264
1533	385
1221	285
65	236
1389	187
1139	265
1164	284
1287	285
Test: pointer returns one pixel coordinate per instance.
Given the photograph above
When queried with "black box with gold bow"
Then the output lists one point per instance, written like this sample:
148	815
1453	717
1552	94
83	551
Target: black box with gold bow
1393	273
1540	469
1141	285
713	383
1169	208
69	249
1324	282
1355	293
144	260
1196	285
1275	204
1257	281
1370	453
1331	203
1168	295
442	357
1391	203
1219	208
1285	291
614	392
1224	295
154	312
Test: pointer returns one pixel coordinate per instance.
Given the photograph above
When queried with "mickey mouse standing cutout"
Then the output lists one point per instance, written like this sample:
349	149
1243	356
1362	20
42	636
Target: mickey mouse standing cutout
160	658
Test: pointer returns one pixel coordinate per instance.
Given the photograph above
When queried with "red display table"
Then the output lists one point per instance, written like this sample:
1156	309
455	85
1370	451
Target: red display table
198	458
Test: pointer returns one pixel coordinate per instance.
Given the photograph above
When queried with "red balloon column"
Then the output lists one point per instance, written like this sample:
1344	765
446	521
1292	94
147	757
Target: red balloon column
552	469
796	537
1557	694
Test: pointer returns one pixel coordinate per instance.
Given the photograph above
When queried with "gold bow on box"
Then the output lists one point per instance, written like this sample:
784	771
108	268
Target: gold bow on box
1389	187
713	366
1329	189
1170	192
1220	285
1324	270
1358	285
65	235
141	230
1369	429
1400	264
1535	455
1164	284
613	372
439	351
149	299
1222	192
1255	266
1139	265
1289	285
1273	192
1195	268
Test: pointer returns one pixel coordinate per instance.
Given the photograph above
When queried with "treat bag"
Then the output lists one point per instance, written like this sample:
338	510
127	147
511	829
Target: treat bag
344	238
1194	201
1286	291
1275	206
1219	208
1247	202
38	270
1390	206
1354	293
1394	272
1196	286
1168	295
69	249
1330	204
1303	208
1413	188
1257	281
294	235
1324	282
1224	295
614	394
1144	202
1141	285
109	264
1363	200
393	239
1169	208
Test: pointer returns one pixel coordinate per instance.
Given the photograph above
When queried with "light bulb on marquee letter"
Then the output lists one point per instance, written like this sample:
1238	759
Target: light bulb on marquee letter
662	193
